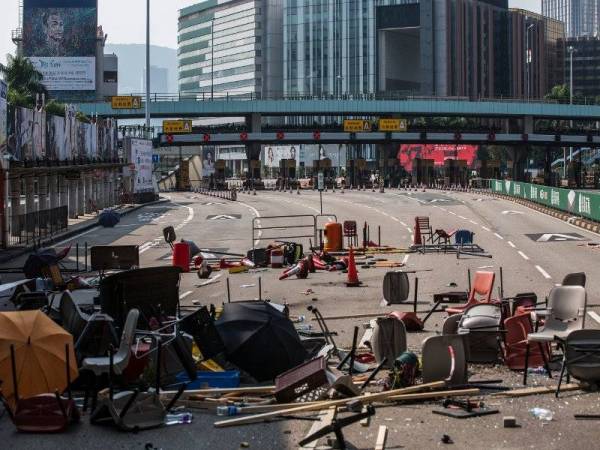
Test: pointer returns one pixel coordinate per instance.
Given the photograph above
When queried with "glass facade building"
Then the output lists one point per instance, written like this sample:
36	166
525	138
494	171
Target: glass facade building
581	17
230	46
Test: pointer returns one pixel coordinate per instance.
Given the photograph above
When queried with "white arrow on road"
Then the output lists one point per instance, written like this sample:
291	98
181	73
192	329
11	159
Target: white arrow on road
558	237
511	212
223	217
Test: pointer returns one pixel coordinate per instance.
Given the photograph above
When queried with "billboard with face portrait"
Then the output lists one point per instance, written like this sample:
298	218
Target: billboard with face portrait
208	161
59	38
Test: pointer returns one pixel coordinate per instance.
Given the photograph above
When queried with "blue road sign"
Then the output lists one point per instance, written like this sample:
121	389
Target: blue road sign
154	158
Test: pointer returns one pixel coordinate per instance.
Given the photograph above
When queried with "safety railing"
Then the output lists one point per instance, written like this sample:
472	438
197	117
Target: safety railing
284	228
28	229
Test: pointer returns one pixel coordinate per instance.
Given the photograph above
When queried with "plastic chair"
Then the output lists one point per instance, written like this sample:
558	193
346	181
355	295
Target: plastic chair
444	358
450	325
73	319
481	292
481	326
101	365
581	357
517	329
566	313
574	279
462	237
388	340
424	228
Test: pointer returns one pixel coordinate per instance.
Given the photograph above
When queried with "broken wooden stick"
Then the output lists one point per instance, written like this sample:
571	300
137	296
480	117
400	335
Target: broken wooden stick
536	390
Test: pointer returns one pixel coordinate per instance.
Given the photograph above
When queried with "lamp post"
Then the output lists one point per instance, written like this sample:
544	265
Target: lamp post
147	109
528	61
212	58
571	50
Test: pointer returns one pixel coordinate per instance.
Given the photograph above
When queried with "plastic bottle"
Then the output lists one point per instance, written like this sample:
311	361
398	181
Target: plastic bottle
228	410
176	419
537	370
542	414
301	319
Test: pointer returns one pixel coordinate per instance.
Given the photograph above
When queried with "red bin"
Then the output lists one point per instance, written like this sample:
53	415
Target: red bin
181	256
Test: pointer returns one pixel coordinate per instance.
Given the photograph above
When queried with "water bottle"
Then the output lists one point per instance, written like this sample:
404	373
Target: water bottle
306	327
175	419
301	319
228	410
537	370
542	414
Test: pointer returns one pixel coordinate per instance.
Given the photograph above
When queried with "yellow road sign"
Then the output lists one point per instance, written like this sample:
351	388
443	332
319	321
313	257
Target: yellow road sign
357	126
392	125
177	126
126	102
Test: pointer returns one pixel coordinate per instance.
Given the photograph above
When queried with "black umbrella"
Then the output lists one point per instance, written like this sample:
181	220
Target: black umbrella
260	339
42	258
109	218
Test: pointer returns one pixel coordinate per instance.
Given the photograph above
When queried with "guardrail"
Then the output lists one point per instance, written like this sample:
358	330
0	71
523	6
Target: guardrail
295	229
584	204
29	228
228	194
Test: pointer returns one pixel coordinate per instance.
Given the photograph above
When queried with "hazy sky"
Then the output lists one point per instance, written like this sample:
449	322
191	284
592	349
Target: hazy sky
124	20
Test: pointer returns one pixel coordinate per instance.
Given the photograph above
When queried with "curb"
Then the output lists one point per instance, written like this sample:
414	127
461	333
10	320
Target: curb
70	233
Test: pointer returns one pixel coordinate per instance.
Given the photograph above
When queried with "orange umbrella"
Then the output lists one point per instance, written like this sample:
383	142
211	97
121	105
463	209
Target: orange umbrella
40	348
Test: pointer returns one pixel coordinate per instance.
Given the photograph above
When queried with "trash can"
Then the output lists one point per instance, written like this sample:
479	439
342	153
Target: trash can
181	256
333	237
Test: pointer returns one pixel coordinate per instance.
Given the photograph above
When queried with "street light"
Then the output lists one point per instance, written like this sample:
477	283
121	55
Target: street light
571	50
147	110
528	60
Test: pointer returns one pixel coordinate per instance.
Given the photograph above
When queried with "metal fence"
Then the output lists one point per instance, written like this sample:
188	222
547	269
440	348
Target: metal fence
27	229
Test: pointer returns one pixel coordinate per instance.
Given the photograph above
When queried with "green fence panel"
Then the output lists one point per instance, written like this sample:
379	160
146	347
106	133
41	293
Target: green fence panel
585	204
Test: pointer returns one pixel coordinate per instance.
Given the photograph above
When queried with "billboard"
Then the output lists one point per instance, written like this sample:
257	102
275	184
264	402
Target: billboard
140	156
59	38
3	119
438	152
208	161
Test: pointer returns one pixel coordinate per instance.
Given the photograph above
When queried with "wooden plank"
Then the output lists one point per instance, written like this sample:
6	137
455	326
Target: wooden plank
321	405
594	316
437	394
536	390
201	393
326	417
381	438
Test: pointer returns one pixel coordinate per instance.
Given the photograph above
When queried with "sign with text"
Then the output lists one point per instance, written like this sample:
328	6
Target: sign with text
140	156
388	125
177	126
357	126
66	74
320	181
126	102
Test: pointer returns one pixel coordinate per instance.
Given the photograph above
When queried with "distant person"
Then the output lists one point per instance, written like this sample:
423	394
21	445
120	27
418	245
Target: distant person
54	33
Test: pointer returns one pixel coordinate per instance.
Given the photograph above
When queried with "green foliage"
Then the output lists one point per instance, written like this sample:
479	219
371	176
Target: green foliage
55	108
24	81
559	93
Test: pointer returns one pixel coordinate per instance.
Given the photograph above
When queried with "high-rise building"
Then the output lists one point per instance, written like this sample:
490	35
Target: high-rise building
581	17
437	47
536	54
586	66
231	46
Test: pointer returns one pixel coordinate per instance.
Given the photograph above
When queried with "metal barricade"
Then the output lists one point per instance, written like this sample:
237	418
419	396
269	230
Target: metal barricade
299	226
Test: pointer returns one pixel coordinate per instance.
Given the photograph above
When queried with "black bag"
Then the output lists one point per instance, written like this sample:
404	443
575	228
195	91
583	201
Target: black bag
258	256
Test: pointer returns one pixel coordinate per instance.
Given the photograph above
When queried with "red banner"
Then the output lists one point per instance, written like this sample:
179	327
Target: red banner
438	152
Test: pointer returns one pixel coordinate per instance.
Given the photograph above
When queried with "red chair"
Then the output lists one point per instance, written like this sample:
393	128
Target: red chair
517	328
481	292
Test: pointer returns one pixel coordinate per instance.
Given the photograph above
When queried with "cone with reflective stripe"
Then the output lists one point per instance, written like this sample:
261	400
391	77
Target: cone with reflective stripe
352	272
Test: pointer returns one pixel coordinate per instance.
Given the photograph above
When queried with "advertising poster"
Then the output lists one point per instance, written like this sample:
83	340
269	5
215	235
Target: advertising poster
208	161
39	134
438	152
141	158
23	134
56	138
3	118
274	154
59	37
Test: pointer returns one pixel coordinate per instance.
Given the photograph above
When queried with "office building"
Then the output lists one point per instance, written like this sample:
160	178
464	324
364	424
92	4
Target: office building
536	54
586	66
581	17
439	47
231	46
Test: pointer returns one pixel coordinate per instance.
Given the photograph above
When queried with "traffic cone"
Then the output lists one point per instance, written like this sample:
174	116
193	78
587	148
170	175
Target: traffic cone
288	273
352	273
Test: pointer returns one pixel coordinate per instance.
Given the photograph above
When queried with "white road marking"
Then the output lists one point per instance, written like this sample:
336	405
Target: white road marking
409	229
403	224
395	219
75	237
257	214
594	316
453	213
405	259
512	245
485	228
543	272
184	295
473	222
523	255
463	217
498	236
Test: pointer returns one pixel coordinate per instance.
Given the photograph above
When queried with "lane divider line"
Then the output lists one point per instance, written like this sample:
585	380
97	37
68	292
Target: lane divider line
511	244
498	236
543	272
184	295
523	255
594	316
485	228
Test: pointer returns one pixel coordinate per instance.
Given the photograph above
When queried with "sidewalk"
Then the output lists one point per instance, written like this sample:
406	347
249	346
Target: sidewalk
75	226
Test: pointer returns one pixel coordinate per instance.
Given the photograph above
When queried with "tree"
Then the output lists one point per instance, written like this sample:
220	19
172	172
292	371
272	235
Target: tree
24	81
559	93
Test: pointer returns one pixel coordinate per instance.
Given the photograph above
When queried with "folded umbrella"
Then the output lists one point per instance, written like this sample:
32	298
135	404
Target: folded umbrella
108	218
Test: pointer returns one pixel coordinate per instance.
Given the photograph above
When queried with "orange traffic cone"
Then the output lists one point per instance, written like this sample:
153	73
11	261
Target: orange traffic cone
352	273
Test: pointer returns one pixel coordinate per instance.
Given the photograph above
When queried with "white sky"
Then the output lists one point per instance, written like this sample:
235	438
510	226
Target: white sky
124	20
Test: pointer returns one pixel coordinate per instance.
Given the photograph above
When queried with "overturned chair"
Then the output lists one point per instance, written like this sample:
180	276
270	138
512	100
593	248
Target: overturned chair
480	325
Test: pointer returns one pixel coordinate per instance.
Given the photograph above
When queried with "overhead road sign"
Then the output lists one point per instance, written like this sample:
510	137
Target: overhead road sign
126	102
177	126
389	125
357	126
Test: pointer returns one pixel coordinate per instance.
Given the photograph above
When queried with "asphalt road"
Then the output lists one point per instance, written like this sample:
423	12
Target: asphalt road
534	250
